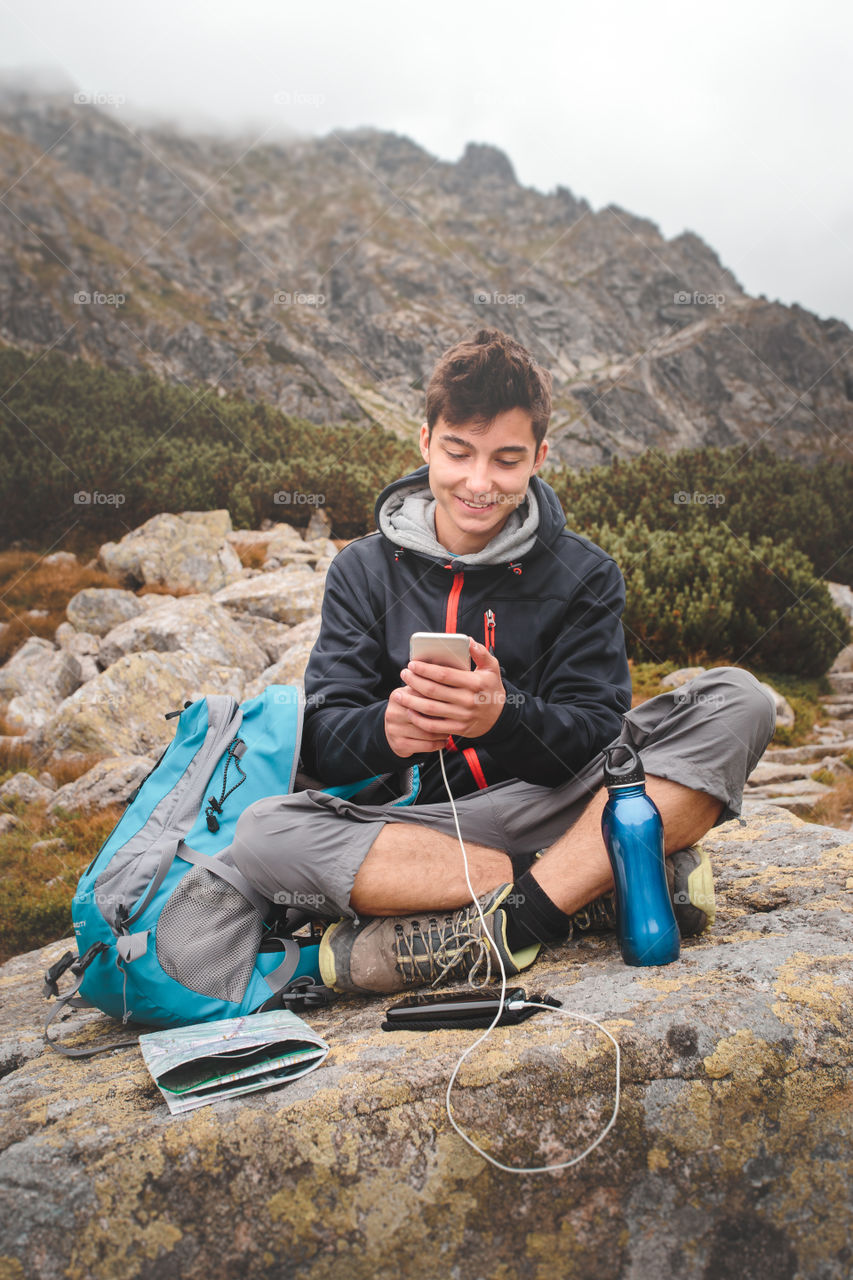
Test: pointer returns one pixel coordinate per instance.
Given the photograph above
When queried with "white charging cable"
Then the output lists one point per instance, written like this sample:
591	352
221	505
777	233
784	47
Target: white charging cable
527	1004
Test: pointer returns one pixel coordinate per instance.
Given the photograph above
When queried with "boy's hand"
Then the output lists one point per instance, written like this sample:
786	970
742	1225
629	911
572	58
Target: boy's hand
439	701
404	737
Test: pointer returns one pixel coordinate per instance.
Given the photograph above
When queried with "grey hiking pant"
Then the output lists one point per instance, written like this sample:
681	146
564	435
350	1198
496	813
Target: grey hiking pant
304	850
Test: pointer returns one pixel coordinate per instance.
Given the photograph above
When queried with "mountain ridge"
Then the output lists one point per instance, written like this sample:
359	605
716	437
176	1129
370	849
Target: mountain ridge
326	274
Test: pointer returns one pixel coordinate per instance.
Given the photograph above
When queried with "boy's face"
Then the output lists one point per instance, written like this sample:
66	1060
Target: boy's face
479	476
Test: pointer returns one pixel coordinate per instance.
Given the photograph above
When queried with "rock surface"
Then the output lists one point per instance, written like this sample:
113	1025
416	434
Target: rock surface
187	553
106	687
194	624
35	681
26	788
98	609
652	341
108	782
121	711
290	669
289	595
730	1158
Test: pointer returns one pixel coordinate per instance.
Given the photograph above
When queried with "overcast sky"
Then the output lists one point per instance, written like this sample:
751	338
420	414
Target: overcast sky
730	119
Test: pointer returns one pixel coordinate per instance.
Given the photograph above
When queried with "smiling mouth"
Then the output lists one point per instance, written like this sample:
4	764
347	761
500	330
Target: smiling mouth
476	506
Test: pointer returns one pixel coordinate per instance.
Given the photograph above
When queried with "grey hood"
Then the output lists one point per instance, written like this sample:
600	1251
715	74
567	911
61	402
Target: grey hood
407	518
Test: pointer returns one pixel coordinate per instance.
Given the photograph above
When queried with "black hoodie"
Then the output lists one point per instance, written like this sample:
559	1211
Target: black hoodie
553	618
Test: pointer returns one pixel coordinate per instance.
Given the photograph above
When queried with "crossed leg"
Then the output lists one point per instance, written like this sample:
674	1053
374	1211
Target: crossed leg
412	869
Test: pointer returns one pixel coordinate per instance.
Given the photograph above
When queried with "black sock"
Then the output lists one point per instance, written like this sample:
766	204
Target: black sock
531	916
522	862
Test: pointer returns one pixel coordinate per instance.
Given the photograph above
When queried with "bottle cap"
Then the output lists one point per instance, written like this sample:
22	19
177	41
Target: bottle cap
626	774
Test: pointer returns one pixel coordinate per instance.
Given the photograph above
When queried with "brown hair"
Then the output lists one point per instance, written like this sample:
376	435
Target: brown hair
484	376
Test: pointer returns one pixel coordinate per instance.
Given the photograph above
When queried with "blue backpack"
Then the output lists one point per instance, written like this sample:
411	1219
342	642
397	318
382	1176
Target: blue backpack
168	933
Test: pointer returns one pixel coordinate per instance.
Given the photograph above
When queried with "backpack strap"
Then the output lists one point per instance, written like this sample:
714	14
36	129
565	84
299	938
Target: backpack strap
78	966
217	867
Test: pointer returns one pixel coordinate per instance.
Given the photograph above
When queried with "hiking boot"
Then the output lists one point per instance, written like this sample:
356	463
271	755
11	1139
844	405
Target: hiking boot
395	953
691	888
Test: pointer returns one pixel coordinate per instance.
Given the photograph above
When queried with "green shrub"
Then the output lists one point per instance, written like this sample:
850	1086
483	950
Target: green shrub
711	596
161	447
754	492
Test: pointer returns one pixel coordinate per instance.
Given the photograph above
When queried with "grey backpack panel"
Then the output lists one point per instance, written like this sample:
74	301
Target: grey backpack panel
208	936
132	867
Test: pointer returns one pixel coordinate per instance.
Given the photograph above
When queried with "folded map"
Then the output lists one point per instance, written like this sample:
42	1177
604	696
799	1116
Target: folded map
208	1061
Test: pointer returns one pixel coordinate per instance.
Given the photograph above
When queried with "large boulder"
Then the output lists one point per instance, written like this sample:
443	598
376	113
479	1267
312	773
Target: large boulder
35	681
843	663
288	670
25	788
183	553
280	545
683	675
273	638
98	609
121	711
26	666
785	717
730	1156
109	782
194	624
287	595
842	598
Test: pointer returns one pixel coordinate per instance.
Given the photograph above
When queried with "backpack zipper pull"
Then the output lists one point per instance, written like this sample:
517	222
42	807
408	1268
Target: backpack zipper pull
170	715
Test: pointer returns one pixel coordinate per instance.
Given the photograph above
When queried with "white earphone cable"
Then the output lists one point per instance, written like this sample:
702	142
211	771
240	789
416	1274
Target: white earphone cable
529	1004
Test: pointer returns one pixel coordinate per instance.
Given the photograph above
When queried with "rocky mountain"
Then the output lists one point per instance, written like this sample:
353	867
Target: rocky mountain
325	275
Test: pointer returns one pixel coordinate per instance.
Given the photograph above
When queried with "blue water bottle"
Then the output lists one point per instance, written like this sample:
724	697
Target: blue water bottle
633	833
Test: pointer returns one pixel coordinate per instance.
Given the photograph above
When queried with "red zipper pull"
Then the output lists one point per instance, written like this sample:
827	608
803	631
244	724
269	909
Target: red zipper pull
489	627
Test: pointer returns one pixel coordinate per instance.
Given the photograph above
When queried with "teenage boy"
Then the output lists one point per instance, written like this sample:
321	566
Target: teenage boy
475	542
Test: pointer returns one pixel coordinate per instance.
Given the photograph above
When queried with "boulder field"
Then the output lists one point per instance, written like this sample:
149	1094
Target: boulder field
730	1158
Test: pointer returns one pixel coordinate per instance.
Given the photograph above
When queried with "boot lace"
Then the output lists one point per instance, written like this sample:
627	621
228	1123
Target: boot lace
455	947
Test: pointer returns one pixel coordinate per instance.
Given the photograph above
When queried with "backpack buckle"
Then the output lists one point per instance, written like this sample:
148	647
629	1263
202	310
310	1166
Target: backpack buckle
55	972
81	964
77	965
303	993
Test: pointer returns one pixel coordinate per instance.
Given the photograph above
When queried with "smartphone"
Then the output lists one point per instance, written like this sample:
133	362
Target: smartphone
444	648
433	1011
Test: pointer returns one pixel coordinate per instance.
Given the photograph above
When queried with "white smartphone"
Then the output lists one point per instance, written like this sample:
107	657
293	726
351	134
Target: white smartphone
444	648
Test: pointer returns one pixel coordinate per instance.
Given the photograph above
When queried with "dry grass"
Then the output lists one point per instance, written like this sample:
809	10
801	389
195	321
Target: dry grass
37	885
646	678
27	583
18	756
160	589
836	809
15	753
252	557
65	769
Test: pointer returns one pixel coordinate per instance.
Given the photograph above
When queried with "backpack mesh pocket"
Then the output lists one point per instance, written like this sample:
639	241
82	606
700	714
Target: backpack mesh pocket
208	936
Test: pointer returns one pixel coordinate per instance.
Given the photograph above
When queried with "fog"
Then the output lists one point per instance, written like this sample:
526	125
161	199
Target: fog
730	120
